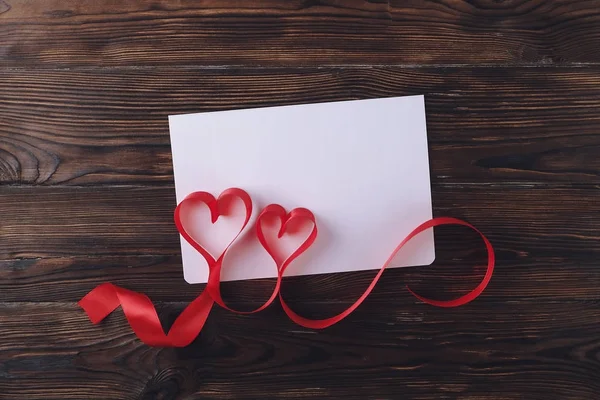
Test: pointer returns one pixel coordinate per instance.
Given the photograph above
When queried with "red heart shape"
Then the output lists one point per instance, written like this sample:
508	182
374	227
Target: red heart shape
218	207
287	220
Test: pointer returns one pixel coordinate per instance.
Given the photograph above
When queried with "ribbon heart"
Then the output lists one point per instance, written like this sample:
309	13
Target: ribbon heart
286	220
278	211
218	207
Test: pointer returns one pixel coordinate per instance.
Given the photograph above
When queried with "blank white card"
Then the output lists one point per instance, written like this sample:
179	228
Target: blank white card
360	166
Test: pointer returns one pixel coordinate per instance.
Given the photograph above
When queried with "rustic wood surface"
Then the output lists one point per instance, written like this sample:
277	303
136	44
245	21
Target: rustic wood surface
86	191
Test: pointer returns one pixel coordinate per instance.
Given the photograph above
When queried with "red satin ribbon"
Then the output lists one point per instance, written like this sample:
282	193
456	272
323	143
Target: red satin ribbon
142	316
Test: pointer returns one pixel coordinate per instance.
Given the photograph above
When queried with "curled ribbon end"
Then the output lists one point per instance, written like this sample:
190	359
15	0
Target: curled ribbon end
100	302
281	232
93	319
216	210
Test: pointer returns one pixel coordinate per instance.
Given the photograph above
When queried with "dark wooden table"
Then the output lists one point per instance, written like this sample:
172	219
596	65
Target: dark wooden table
513	109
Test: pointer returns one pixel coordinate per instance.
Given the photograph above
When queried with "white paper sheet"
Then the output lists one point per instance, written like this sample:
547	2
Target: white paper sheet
361	166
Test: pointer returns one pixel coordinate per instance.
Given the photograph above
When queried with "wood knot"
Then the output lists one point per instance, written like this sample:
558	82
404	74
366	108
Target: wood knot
4	6
166	385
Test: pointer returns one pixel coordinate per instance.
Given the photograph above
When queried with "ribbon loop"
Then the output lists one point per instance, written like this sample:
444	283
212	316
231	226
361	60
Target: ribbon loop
472	295
327	322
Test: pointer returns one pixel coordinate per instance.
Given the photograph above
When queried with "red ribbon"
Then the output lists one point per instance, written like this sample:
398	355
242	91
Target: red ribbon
142	316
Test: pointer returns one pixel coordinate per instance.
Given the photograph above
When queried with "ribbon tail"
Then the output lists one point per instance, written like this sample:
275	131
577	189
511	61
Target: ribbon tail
143	318
100	302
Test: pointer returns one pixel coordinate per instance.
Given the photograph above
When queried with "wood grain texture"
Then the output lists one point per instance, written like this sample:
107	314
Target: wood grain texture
546	250
484	124
453	274
72	33
86	195
90	221
534	350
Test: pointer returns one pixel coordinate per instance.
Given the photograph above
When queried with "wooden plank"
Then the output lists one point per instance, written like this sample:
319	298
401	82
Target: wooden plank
71	221
534	230
484	124
534	350
297	33
454	274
